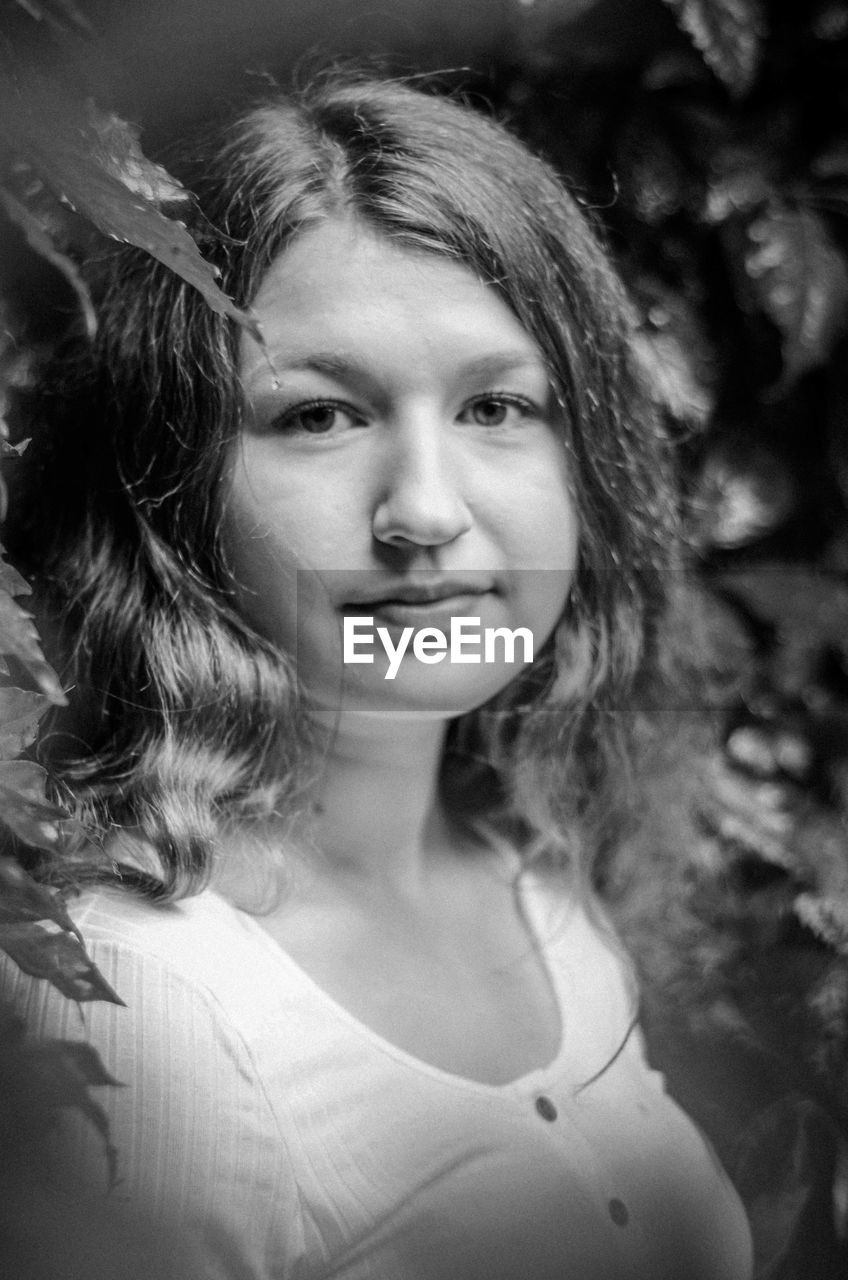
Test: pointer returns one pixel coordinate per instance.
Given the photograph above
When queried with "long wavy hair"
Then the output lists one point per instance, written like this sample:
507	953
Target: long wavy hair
184	723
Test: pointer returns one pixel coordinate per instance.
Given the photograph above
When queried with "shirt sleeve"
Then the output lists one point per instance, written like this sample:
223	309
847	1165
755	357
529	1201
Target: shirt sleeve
199	1151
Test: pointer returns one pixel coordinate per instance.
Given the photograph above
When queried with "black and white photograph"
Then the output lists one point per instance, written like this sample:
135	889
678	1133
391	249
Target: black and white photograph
424	640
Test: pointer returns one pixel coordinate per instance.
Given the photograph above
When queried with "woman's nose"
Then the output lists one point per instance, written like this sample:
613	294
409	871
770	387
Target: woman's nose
420	500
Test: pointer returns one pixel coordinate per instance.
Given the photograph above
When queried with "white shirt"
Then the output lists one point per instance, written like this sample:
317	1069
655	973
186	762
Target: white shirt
286	1139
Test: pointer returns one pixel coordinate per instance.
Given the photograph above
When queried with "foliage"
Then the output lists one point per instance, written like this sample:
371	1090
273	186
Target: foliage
715	151
36	930
68	173
718	160
68	168
728	33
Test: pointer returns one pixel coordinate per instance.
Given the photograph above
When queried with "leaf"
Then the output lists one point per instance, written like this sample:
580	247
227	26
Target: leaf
653	179
23	804
736	189
13	373
767	753
800	281
23	899
751	816
12	581
83	165
673	349
745	492
729	34
827	917
38	239
20	712
59	958
671	378
118	148
10	450
58	954
19	639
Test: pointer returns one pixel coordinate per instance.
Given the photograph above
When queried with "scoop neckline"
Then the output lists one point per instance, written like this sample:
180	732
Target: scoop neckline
530	1082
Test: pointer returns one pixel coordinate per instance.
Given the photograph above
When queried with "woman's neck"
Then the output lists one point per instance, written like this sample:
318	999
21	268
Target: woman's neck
378	816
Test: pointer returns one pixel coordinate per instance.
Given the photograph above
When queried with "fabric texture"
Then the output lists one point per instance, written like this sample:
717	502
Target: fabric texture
282	1138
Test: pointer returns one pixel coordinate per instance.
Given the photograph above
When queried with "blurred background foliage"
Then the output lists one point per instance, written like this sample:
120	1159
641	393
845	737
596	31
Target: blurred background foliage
709	139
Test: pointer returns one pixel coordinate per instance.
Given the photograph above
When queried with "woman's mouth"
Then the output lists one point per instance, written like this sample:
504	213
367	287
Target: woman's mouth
436	611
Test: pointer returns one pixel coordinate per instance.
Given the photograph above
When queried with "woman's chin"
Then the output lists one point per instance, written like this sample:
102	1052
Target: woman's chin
415	692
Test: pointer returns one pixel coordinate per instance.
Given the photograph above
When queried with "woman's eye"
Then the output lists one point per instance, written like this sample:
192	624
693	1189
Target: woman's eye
318	418
496	411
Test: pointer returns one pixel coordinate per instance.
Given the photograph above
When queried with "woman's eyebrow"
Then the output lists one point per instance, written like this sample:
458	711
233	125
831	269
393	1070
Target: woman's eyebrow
274	363
339	364
501	362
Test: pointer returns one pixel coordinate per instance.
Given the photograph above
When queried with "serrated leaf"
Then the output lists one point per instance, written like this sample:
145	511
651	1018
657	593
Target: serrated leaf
23	804
827	917
653	179
10	450
19	639
23	899
10	580
671	378
674	351
59	958
736	191
24	905
20	712
745	492
38	238
729	34
117	146
748	815
800	279
51	133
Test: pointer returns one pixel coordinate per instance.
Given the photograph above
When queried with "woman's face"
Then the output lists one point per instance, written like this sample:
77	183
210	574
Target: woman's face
401	461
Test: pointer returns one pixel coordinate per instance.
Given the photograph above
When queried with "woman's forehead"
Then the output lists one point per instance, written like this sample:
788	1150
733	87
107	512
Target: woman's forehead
341	293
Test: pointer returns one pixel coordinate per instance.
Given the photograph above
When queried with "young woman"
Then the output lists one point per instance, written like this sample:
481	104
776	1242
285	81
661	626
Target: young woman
375	1024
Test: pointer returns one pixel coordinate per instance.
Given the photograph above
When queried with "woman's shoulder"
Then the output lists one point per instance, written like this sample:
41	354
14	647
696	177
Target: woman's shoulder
201	941
198	952
170	930
180	1049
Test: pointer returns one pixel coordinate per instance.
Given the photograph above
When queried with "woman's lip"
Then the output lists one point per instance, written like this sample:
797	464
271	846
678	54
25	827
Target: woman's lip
418	612
416	593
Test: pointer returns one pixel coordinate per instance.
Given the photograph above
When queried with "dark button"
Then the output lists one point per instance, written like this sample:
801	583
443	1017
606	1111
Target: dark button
546	1108
618	1212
